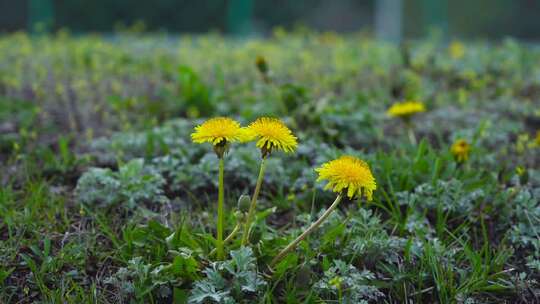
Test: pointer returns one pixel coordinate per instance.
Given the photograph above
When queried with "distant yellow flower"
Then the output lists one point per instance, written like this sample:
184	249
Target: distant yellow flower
456	50
219	131
336	282
523	142
350	174
406	109
272	133
520	170
537	140
461	149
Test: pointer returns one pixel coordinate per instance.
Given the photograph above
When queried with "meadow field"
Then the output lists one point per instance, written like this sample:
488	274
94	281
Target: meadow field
158	169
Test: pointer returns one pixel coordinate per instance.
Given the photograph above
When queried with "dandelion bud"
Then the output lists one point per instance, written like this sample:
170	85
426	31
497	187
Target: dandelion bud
261	65
244	201
238	215
523	174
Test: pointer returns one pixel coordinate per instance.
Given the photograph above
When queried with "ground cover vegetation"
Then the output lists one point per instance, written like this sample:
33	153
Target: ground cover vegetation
298	168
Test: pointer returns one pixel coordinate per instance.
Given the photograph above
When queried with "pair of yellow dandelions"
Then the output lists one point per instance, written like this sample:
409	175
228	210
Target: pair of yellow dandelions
346	175
406	110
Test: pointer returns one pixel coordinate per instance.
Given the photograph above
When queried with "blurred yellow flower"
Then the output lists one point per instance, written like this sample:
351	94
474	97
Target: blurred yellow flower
261	64
537	140
272	133
350	174
219	131
523	143
461	149
456	50
406	109
336	282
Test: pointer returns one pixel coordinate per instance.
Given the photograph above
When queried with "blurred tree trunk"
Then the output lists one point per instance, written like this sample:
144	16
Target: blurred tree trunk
40	15
435	15
388	23
240	17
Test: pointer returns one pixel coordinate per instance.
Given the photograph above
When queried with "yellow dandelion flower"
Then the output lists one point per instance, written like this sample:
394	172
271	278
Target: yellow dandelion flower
406	109
461	149
272	133
219	131
350	174
537	140
456	50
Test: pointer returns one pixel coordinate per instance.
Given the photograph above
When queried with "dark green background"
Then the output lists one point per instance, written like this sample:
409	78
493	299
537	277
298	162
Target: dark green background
461	18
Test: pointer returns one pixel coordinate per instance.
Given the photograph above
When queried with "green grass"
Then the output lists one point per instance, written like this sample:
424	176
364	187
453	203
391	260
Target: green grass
105	199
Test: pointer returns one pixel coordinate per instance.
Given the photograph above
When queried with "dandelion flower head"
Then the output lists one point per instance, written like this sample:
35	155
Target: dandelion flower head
350	174
406	109
461	149
456	50
219	131
272	133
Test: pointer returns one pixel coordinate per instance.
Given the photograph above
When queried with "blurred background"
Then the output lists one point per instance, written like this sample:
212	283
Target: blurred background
388	19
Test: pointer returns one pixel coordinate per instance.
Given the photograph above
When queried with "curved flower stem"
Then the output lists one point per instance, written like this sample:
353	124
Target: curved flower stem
253	205
308	231
221	190
229	238
232	234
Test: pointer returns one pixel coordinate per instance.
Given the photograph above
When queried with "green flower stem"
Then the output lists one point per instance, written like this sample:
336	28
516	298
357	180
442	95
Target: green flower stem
410	133
308	231
228	239
253	205
221	194
233	233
